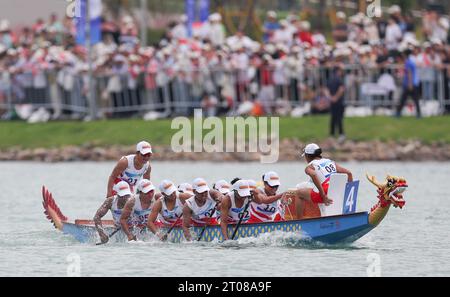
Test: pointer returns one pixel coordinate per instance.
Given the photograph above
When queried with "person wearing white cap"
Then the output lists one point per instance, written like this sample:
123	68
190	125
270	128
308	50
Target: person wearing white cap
168	209
319	170
115	204
267	212
132	168
222	186
234	206
270	26
185	188
200	209
138	208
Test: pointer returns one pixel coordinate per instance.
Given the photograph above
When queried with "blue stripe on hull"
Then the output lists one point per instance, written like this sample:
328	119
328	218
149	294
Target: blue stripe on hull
330	230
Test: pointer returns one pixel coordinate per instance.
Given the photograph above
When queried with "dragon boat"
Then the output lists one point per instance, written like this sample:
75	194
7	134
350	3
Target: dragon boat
329	229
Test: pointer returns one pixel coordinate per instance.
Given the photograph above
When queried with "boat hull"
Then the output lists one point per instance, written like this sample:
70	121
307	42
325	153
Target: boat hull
329	230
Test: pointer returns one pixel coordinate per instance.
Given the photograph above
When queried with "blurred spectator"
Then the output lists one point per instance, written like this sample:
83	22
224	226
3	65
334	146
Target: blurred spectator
5	34
304	34
216	32
393	35
321	102
441	31
283	34
340	29
55	29
336	89
373	36
209	104
239	39
270	26
129	31
427	62
219	72
395	13
180	31
410	82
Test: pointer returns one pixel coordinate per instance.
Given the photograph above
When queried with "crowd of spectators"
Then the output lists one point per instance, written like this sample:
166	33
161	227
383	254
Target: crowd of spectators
217	71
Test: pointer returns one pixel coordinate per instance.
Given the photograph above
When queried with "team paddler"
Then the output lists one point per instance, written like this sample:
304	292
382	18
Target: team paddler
274	211
115	204
319	169
185	188
234	204
138	208
200	209
168	209
131	168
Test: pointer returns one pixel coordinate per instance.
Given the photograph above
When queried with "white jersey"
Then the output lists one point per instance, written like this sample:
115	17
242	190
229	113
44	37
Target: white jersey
264	212
169	217
132	175
201	214
140	215
324	168
235	213
116	212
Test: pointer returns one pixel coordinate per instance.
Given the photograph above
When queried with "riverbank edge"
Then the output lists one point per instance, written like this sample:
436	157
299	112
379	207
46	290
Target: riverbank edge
289	150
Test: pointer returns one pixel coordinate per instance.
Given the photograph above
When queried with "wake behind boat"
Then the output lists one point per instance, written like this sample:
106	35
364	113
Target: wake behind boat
346	227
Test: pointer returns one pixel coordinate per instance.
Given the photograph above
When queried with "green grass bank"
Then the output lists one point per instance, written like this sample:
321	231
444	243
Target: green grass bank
159	132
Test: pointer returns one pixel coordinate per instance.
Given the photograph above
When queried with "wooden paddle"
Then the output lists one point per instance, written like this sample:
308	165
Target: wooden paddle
206	224
110	235
240	220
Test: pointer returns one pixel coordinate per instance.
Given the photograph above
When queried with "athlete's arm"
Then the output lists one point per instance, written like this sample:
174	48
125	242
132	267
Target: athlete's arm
269	199
184	196
187	213
148	172
126	213
101	212
225	207
217	196
312	173
257	196
120	167
153	216
341	169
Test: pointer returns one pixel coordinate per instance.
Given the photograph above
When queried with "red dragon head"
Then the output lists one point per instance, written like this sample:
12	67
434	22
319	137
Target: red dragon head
390	192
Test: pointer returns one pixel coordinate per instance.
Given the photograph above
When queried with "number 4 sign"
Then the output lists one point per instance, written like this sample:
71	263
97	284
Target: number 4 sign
350	197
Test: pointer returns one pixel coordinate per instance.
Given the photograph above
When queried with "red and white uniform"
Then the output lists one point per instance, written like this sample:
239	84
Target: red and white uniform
260	213
323	168
132	175
235	213
169	217
201	215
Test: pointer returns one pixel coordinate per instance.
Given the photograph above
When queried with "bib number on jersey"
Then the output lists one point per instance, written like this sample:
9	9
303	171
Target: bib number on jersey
244	215
269	208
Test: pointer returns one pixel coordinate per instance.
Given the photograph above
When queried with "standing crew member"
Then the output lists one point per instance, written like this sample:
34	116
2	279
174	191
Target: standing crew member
132	168
319	169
